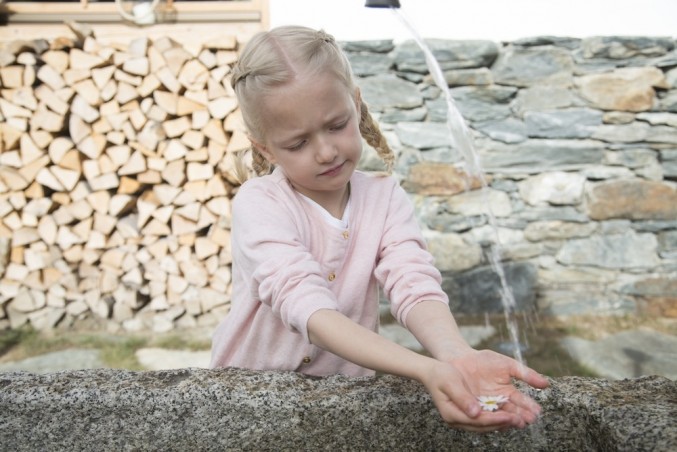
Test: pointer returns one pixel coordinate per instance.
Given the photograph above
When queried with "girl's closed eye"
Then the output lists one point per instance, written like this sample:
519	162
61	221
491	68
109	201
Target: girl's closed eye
340	126
296	146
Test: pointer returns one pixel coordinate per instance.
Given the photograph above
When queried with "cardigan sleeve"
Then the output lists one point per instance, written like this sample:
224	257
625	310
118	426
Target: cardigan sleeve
270	249
405	269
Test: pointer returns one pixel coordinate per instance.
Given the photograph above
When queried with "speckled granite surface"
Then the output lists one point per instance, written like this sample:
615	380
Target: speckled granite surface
198	409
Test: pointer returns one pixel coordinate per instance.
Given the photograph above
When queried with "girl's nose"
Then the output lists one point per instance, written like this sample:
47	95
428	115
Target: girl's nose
326	151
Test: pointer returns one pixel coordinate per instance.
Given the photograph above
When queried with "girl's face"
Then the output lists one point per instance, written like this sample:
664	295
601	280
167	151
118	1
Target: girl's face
312	132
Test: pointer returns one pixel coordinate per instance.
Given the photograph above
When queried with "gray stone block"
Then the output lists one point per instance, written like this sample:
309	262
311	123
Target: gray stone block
231	409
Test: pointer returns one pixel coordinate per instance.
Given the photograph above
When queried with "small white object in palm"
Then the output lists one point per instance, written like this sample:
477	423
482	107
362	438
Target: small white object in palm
492	403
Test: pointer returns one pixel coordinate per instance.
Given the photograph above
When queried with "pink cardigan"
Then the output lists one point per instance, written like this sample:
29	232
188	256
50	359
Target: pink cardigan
289	262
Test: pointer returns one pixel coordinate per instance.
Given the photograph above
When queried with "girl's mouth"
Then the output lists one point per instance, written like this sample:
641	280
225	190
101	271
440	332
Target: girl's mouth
333	171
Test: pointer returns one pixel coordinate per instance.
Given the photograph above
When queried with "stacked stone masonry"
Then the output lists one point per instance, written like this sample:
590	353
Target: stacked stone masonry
117	171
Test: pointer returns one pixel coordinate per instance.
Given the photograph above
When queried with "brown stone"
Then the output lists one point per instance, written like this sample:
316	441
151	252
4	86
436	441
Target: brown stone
632	199
625	89
658	296
439	179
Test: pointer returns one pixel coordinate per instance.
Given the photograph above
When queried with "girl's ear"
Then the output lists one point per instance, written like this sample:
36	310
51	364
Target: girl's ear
263	150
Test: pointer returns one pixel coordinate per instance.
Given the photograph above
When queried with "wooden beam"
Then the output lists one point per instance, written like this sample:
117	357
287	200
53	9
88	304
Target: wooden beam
179	11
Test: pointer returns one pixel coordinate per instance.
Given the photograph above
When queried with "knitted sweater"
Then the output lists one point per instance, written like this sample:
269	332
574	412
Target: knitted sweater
289	262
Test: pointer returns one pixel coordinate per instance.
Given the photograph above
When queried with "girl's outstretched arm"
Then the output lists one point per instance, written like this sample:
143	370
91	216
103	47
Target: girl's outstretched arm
450	384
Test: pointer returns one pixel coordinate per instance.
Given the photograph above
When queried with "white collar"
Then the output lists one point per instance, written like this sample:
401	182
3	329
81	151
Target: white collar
329	218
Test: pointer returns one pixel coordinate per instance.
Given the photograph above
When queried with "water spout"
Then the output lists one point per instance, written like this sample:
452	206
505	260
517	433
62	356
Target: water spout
382	4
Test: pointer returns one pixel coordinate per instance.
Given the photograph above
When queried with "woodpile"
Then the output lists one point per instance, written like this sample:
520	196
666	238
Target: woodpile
116	175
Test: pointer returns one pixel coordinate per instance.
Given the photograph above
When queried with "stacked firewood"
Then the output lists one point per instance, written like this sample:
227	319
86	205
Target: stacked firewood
116	175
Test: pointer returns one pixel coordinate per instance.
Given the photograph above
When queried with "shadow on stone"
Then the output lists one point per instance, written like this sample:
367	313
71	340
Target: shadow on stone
477	291
232	409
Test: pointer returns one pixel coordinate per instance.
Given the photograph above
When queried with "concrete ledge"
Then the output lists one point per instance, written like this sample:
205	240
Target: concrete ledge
232	409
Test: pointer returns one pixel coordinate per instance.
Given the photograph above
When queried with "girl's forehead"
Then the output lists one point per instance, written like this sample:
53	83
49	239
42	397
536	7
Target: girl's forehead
305	104
307	90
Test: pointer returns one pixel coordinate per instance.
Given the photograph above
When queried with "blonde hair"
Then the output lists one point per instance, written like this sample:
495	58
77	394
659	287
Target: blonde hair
275	57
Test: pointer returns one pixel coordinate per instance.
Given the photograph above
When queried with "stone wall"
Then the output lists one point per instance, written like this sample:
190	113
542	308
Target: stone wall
231	409
578	139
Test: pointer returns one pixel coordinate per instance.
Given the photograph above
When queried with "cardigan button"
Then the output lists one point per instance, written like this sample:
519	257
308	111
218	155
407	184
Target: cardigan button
306	360
345	234
332	276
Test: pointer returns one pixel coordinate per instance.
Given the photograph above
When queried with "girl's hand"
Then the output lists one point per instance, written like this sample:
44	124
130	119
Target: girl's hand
455	386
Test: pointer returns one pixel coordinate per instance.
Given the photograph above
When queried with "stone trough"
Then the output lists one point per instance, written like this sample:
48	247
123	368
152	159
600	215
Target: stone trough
232	409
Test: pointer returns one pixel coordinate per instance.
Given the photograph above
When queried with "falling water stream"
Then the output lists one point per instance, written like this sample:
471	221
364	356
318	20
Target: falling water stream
462	139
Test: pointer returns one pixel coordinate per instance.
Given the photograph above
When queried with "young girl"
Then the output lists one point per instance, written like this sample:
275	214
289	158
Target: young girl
313	239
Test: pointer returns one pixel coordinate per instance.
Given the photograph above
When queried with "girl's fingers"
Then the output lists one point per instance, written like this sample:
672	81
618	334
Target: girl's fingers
525	402
460	397
527	415
529	376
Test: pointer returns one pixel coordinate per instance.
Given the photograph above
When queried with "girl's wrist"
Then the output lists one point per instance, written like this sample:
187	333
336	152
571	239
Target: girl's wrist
424	369
452	352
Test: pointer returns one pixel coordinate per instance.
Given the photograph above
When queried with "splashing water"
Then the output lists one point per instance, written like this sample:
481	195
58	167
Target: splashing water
462	139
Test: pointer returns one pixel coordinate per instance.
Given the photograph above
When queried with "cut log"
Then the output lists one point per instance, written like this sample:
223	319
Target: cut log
130	79
125	93
220	107
120	204
175	58
193	139
73	76
198	171
109	90
92	145
239	141
168	79
88	91
47	120
135	164
70	160
23	97
175	173
52	100
68	178
29	151
50	77
207	58
84	110
57	59
101	76
214	131
138	65
215	89
10	136
163	214
167	101
138	47
78	128
174	150
204	248
12	76
149	84
193	75
9	110
186	106
84	60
